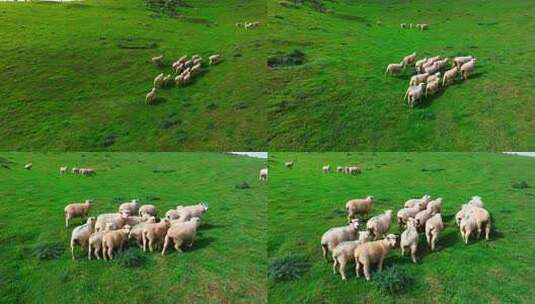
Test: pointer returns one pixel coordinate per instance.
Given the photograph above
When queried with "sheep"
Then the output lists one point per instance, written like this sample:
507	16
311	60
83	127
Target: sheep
195	57
114	239
411	25
197	61
117	219
158	81
476	201
172	214
417	25
147	210
379	224
80	235
432	87
239	24
418	78
406	213
371	253
179	68
182	234
151	96
435	205
409	239
415	93
75	171
433	227
326	169
263	176
423	27
186	77
136	232
433	68
459	61
449	76
154	233
130	208
353	170
467	226
28	166
182	59
63	170
77	210
345	252
459	216
87	171
433	77
359	206
95	241
468	68
289	164
340	169
403	25
434	59
395	68
422	217
480	217
167	80
442	63
157	60
179	80
409	59
418	65
187	212
334	236
188	64
196	69
135	220
421	202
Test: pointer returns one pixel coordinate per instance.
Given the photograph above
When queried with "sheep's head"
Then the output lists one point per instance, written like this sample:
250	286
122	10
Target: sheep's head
91	221
151	219
127	228
135	201
426	198
355	224
391	239
204	205
88	202
370	197
364	236
411	222
388	212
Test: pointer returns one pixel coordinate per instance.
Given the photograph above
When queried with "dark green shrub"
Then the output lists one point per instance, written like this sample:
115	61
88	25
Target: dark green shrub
520	185
294	58
289	267
391	280
48	250
242	185
131	257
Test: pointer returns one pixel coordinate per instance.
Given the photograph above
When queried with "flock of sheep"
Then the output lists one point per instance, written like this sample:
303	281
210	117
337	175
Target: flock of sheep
419	26
350	170
427	81
77	171
185	70
110	232
247	25
365	248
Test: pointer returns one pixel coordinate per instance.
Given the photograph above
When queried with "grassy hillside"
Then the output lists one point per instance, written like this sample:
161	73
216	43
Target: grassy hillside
226	265
75	75
304	203
340	99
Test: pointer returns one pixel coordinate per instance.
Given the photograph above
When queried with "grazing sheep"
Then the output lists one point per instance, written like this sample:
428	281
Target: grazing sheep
182	234
414	94
80	235
154	234
334	236
147	210
158	81
418	78
395	68
359	206
373	253
77	210
379	224
114	239
432	87
326	169
117	219
476	201
481	217
75	171
435	205
345	252
136	232
406	213
185	213
214	59
28	166
130	208
403	25
468	68
353	170
95	242
459	61
151	96
409	59
340	169
289	164
63	170
419	64
450	76
421	202
409	239
263	174
157	60
422	217
433	227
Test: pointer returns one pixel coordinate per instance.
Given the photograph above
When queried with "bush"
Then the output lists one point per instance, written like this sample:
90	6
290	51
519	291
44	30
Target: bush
289	267
391	280
294	58
521	185
48	250
131	257
242	185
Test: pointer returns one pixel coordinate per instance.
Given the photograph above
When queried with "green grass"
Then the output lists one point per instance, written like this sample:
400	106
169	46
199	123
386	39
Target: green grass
227	263
339	99
304	203
75	75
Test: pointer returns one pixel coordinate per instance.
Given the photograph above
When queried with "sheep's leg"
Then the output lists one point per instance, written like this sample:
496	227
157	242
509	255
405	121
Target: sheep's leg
334	265
144	238
178	244
89	252
487	231
479	230
110	252
324	248
343	269
381	260
96	253
166	242
414	247
151	242
104	256
402	250
433	241
357	269
72	250
66	221
367	271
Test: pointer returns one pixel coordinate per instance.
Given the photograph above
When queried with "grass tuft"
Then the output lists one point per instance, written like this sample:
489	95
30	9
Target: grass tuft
296	57
520	185
131	257
391	280
48	250
289	267
242	185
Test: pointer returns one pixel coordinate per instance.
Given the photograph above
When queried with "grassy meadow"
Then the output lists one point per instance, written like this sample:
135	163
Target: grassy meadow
75	75
304	203
339	98
227	263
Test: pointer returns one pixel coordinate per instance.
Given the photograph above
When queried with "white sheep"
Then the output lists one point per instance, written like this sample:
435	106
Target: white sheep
406	213
28	166
449	76
158	81
196	70
432	69
136	232
359	206
185	213
420	202
395	68
130	208
432	87
80	235
75	171
422	217
182	59
63	170
151	96
148	210
459	61
379	224
433	77
340	169
114	239
87	171
289	164
263	174
172	214
353	170
77	210
409	239
418	65
117	219
403	25
442	63
477	218
95	241
344	252
373	253
326	169
418	78
435	205
188	64
182	234
157	60
153	234
179	68
468	68
409	59
334	236
415	93
476	201
459	216
433	227
424	26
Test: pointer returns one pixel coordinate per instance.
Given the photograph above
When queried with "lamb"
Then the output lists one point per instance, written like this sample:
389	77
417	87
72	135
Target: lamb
77	210
476	201
289	164
345	252
409	59
476	217
158	81
187	212
421	202
147	210
415	93
432	87
459	61
352	170
172	214
435	205
372	253
418	78
87	171
339	169
80	235
28	166
157	60
154	233
468	68
326	169
359	206
117	219
75	171
130	208
433	227
151	96
114	239
334	236
409	239
379	224
422	217
442	63
95	241
182	234
450	76
136	232
433	68
395	68
214	59
418	65
63	170
263	174
406	213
